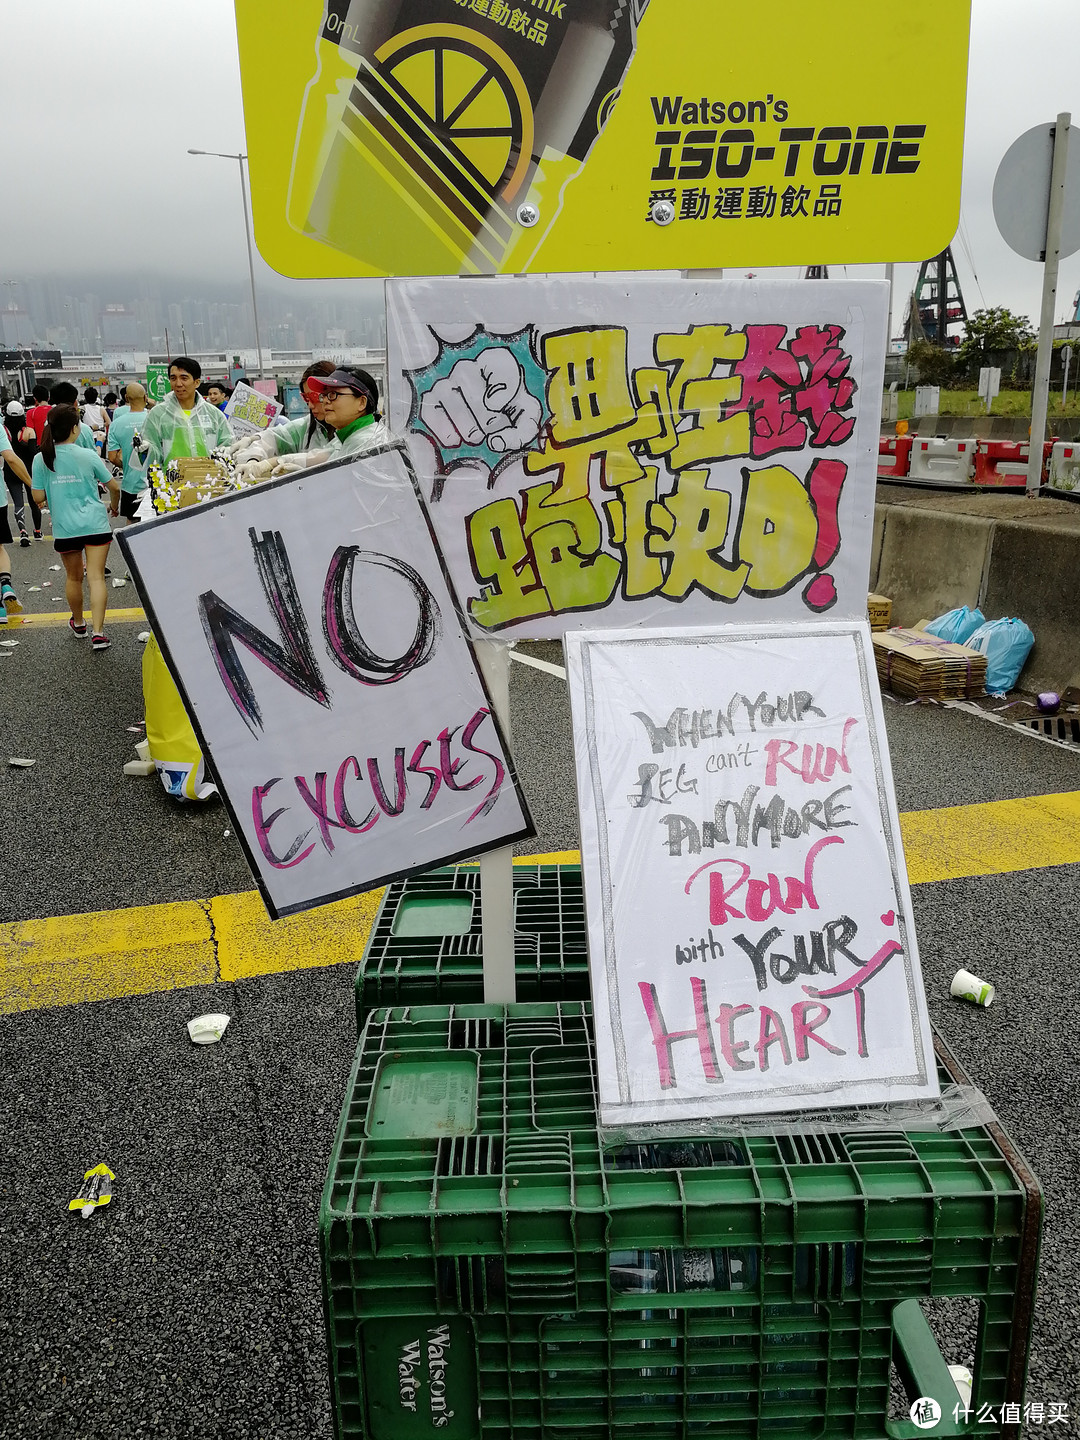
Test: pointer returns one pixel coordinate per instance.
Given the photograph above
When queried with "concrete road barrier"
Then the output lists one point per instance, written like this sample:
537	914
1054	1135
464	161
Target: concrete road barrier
1033	573
929	562
1008	554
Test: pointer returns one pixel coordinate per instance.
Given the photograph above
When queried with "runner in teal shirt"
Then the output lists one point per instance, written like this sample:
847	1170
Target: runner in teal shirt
127	426
71	491
67	476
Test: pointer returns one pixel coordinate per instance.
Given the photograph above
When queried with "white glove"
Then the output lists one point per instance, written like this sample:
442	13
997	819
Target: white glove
252	447
290	464
257	469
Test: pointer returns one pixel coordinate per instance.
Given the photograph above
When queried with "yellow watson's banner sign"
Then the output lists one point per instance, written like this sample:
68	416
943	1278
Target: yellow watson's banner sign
430	137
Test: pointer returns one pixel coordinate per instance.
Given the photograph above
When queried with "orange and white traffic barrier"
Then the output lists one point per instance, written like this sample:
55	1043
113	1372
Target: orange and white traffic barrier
894	456
942	462
1004	463
1065	466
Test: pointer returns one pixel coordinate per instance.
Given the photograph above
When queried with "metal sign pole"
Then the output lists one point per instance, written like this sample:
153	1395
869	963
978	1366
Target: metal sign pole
497	866
1051	257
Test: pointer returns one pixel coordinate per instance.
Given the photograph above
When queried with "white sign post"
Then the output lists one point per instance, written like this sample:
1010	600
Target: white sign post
752	947
328	678
989	384
1037	209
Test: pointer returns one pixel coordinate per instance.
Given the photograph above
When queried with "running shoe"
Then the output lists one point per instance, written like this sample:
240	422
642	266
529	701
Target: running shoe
7	592
79	631
38	535
100	642
3	613
24	540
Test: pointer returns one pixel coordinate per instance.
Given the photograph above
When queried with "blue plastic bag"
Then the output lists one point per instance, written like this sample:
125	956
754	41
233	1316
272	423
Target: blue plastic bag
956	625
1006	645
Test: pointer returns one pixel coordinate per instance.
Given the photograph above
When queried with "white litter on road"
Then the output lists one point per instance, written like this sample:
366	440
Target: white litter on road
207	1029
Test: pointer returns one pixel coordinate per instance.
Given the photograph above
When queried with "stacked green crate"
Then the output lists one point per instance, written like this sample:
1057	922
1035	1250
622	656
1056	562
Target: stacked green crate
425	947
492	1273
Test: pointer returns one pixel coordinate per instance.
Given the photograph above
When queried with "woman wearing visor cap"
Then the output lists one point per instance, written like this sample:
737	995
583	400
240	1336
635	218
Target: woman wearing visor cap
349	410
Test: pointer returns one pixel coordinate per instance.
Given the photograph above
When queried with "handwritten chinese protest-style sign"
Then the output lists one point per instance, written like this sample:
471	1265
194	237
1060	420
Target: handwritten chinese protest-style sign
664	453
310	627
485	137
249	412
751	941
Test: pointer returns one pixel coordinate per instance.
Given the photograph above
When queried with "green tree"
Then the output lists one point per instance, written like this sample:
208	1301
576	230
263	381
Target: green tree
994	331
933	363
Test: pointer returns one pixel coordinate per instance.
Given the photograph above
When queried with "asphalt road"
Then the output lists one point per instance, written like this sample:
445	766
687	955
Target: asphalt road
191	1306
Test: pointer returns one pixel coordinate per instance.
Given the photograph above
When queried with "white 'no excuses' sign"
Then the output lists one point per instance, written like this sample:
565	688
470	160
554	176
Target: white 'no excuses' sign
316	642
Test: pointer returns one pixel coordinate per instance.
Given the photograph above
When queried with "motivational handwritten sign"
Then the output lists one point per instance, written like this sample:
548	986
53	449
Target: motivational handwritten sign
249	412
751	941
314	637
666	452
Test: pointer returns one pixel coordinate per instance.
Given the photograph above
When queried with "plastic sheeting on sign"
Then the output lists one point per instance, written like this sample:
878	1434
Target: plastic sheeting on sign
751	941
320	656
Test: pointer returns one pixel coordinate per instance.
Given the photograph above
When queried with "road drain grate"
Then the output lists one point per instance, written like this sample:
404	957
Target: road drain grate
1065	728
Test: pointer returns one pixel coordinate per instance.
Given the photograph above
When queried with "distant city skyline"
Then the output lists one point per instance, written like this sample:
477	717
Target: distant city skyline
87	315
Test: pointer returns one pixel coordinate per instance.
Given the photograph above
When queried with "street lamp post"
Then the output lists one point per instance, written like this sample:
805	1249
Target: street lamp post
14	306
225	155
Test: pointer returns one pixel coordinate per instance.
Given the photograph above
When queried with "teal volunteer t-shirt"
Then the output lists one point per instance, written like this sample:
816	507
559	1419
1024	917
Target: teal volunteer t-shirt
122	434
71	491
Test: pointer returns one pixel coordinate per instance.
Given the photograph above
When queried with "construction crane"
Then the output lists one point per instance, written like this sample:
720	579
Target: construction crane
937	302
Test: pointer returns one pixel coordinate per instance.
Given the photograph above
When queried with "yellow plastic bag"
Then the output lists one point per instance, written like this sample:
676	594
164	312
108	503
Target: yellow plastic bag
173	746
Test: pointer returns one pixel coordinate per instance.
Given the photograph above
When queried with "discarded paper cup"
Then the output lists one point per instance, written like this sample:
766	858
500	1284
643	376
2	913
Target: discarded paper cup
207	1029
966	986
963	1379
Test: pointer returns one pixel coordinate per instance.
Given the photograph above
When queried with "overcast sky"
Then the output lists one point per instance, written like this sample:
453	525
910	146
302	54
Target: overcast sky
124	90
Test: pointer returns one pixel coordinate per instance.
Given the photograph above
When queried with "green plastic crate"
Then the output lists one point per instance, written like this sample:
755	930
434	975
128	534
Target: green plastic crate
426	947
491	1273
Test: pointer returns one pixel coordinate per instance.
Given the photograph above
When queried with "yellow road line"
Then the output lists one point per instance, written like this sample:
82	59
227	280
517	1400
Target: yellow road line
40	618
992	839
147	948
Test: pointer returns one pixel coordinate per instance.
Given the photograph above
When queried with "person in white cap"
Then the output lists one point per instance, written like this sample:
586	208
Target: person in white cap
24	443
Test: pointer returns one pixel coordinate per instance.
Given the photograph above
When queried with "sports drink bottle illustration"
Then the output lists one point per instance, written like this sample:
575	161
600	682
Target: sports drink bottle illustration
470	116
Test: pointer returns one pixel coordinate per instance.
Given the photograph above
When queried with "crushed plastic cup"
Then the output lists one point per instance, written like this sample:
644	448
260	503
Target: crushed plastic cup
966	986
1048	702
207	1029
964	1381
142	749
143	636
